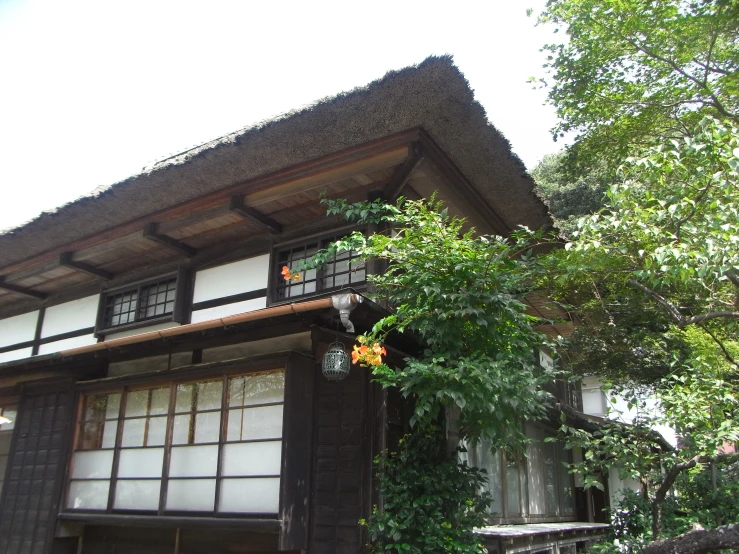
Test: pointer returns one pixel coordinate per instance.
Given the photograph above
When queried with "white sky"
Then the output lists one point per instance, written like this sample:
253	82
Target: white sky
92	91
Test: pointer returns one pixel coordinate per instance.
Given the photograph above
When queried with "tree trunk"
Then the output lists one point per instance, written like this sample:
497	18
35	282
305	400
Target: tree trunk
656	519
697	542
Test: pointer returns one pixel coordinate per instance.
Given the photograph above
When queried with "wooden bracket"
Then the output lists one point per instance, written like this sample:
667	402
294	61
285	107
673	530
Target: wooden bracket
402	174
66	260
151	233
237	206
21	290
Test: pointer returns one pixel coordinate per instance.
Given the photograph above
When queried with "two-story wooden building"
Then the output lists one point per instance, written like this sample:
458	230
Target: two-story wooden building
163	381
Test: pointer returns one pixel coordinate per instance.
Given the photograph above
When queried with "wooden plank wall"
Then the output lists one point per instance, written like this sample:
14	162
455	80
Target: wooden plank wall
342	459
30	499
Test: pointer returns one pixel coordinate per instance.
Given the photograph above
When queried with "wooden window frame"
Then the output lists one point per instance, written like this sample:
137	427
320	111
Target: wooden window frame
275	273
177	315
225	375
523	484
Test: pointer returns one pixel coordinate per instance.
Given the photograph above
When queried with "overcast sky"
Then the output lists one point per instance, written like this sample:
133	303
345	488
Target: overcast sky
93	91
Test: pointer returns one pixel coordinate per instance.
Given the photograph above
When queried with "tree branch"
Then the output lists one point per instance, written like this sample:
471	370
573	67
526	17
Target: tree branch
679	318
672	474
705	317
697	542
720	344
661	300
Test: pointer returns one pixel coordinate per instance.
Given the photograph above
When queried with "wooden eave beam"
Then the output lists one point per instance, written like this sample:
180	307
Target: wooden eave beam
402	174
151	232
21	290
66	260
237	206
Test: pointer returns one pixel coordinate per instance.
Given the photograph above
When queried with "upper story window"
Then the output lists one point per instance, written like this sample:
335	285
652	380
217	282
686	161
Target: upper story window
537	486
158	299
203	447
345	269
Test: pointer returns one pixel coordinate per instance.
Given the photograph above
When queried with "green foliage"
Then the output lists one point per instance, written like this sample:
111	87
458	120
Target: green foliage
633	72
570	196
662	256
709	498
701	406
631	524
431	502
461	294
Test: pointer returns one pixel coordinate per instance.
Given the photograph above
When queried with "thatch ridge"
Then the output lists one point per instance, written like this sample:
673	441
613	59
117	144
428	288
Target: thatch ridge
433	94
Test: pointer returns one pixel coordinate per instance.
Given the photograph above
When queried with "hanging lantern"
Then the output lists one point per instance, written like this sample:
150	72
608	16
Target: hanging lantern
335	364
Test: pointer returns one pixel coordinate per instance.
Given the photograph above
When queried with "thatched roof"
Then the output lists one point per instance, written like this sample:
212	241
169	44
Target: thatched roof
433	95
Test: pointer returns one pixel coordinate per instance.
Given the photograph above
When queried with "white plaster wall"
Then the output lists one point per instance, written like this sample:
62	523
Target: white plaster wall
65	344
618	408
234	278
16	354
19	328
70	316
141	330
616	485
593	402
229	309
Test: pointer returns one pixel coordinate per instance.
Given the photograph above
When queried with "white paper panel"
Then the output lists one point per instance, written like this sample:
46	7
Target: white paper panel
157	431
70	316
88	495
16	354
110	428
140	462
137	495
66	344
196	495
234	278
19	328
193	461
252	458
92	464
255	423
207	426
256	389
133	432
229	309
250	495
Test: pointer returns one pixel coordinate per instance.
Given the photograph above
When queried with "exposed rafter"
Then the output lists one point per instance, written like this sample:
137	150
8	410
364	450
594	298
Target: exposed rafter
66	260
237	206
402	174
151	233
21	290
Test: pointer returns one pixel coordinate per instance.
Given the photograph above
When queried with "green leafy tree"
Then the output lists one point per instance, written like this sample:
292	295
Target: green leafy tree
665	243
631	73
461	295
431	503
568	196
701	405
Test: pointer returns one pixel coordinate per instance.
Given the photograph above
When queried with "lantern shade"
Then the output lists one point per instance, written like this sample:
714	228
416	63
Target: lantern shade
336	364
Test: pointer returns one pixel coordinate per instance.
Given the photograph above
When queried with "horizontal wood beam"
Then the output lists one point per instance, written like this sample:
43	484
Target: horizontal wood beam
237	206
21	290
66	260
151	232
402	174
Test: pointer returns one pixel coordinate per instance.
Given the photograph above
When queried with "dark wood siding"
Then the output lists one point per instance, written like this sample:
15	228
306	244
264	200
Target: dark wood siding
297	438
30	498
342	464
